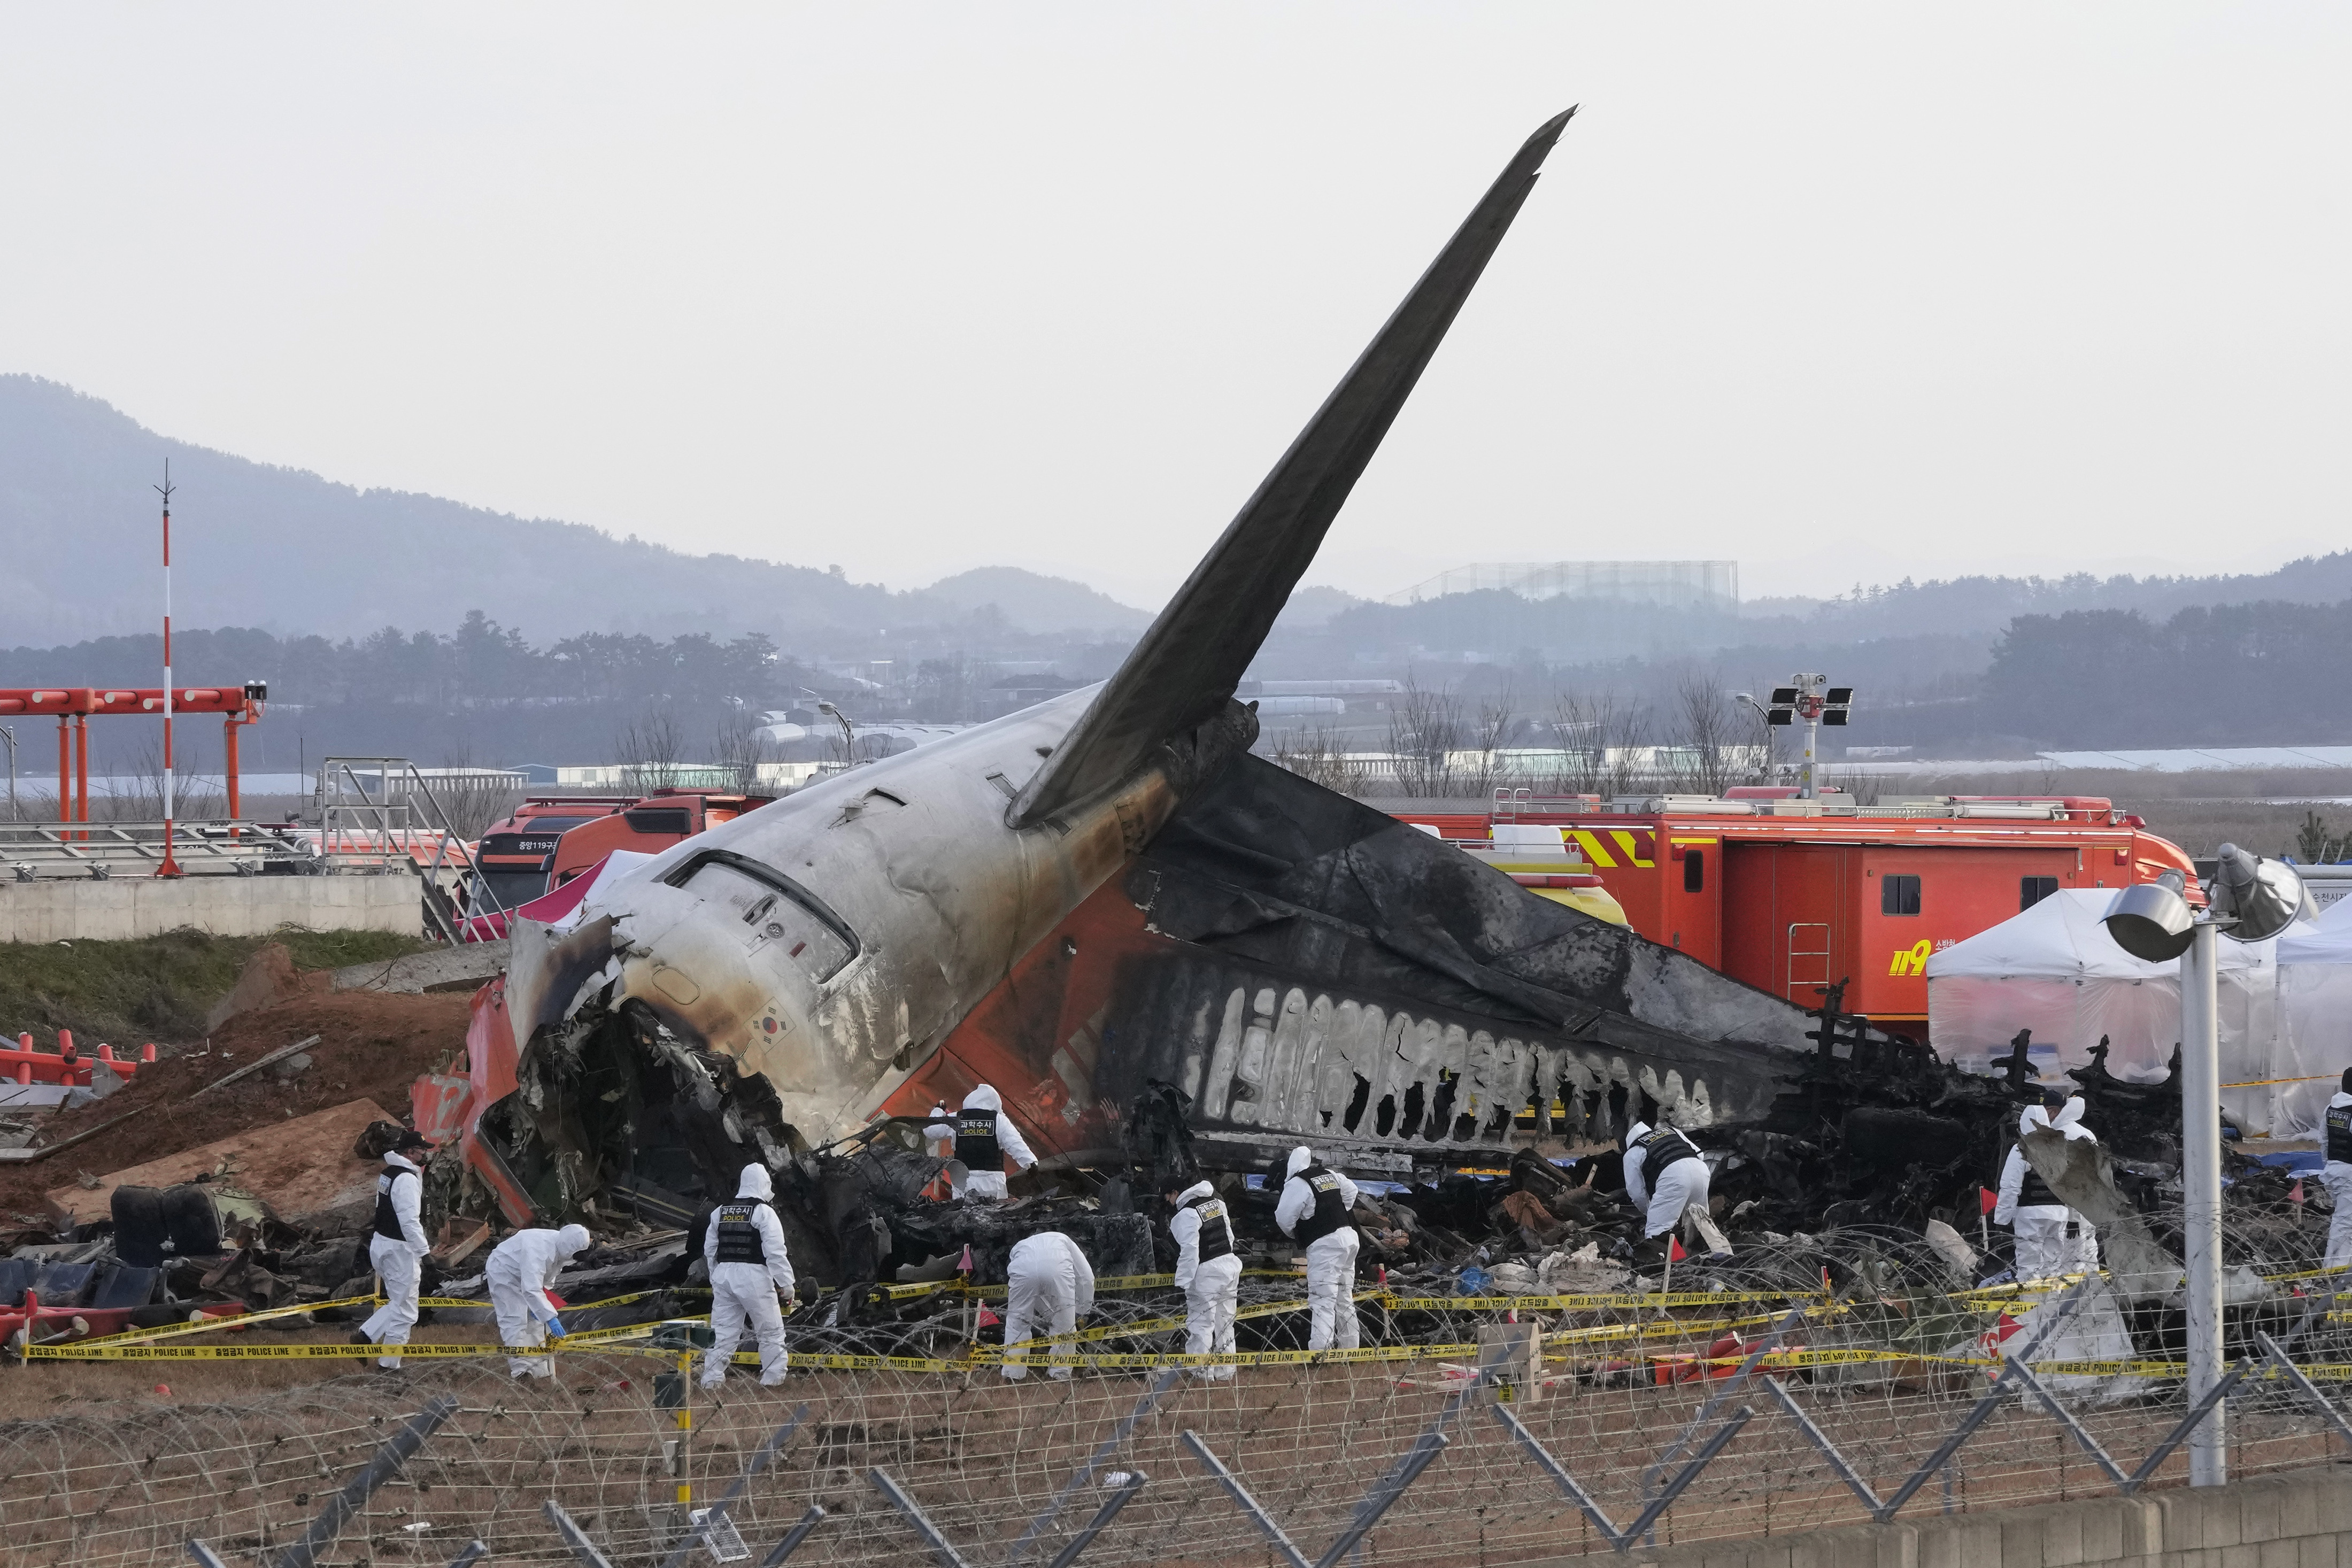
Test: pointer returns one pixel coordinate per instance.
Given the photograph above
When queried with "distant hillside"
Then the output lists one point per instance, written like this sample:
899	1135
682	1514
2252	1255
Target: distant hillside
1985	604
291	552
1032	603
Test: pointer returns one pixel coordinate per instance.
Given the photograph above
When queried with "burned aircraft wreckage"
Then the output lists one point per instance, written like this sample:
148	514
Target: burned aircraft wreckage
1162	950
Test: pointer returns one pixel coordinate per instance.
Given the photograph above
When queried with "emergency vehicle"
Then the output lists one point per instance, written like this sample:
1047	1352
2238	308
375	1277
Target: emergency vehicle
1792	895
549	840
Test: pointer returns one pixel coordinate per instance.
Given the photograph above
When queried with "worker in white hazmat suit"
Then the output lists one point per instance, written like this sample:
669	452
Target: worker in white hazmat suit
1665	1176
749	1273
2336	1175
2048	1234
1209	1272
1048	1286
1314	1209
396	1247
521	1271
984	1138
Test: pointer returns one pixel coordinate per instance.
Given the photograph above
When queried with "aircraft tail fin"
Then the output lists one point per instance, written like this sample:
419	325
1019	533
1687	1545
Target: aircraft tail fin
1187	666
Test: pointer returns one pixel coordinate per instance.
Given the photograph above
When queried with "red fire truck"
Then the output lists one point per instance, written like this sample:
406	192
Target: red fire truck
1792	896
550	838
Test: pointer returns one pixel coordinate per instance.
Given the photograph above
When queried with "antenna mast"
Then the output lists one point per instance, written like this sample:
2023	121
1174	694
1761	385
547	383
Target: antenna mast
169	867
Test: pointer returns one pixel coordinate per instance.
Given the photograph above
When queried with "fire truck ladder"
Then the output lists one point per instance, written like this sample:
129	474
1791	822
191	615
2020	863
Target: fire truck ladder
379	814
1808	957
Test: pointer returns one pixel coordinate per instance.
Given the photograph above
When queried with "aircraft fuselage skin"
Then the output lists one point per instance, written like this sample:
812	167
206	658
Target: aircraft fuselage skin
828	941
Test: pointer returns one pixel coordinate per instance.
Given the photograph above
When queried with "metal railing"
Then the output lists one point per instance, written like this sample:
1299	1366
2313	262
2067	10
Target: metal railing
382	813
35	851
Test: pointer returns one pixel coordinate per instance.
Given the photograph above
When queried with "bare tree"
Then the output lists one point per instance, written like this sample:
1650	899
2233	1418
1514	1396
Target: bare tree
1604	745
473	797
1320	755
650	749
740	748
138	796
1489	732
1706	757
1425	729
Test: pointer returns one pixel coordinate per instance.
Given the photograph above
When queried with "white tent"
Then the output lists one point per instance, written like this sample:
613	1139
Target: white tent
2315	1008
2055	969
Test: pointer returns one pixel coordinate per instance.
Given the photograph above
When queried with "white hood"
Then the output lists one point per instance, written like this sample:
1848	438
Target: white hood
983	1098
2069	1121
1635	1133
1300	1158
570	1239
755	1183
1197	1190
2033	1116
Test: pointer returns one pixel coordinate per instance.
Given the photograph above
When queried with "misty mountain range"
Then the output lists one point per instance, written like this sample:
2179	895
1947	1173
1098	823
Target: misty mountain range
1978	666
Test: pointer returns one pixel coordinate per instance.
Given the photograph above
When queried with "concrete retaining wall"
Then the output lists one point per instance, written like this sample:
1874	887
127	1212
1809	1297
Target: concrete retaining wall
121	908
2298	1521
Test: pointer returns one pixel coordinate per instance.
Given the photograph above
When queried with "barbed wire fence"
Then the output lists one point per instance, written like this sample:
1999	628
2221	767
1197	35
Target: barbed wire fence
1709	1414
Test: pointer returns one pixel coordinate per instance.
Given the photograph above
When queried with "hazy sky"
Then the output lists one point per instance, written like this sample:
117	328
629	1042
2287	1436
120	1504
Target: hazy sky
1840	292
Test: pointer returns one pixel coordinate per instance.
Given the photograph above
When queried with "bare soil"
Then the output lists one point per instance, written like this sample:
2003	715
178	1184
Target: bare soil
370	1045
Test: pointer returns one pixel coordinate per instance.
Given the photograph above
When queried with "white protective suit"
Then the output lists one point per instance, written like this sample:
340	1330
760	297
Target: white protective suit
520	1271
2336	1175
987	1186
1331	1259
1683	1184
1211	1290
2045	1246
743	1293
1049	1286
399	1265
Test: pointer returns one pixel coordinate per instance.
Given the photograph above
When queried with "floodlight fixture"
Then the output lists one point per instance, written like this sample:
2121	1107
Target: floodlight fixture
2152	923
2253	900
1807	697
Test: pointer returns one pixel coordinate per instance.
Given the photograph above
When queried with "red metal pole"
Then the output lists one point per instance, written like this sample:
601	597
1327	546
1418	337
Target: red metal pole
170	866
81	770
65	769
228	745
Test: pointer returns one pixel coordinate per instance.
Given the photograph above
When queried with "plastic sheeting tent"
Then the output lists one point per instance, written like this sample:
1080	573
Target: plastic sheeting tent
2053	969
2316	1005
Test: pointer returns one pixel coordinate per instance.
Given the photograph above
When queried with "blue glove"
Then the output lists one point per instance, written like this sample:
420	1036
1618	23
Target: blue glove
555	1327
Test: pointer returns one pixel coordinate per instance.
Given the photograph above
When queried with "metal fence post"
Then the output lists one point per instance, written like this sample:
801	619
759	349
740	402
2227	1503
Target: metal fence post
938	1543
2025	1374
2310	1391
2188	1422
1819	1440
1085	1472
386	1464
799	1532
204	1556
718	1510
1240	1494
1122	1493
1622	1540
1385	1492
574	1537
476	1549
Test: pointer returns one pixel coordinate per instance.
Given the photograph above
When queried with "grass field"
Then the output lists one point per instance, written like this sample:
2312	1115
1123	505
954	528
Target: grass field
156	989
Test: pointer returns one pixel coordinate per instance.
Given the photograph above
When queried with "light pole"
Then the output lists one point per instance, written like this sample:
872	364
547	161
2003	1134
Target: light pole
1805	697
1763	716
8	734
2251	900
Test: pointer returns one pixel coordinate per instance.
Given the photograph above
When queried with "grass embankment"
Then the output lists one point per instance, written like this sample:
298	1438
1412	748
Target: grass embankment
156	989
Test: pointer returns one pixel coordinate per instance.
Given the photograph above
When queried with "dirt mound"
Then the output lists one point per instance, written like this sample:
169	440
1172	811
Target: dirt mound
268	978
370	1045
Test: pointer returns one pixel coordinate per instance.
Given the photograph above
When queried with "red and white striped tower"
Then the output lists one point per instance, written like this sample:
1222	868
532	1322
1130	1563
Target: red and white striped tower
170	866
